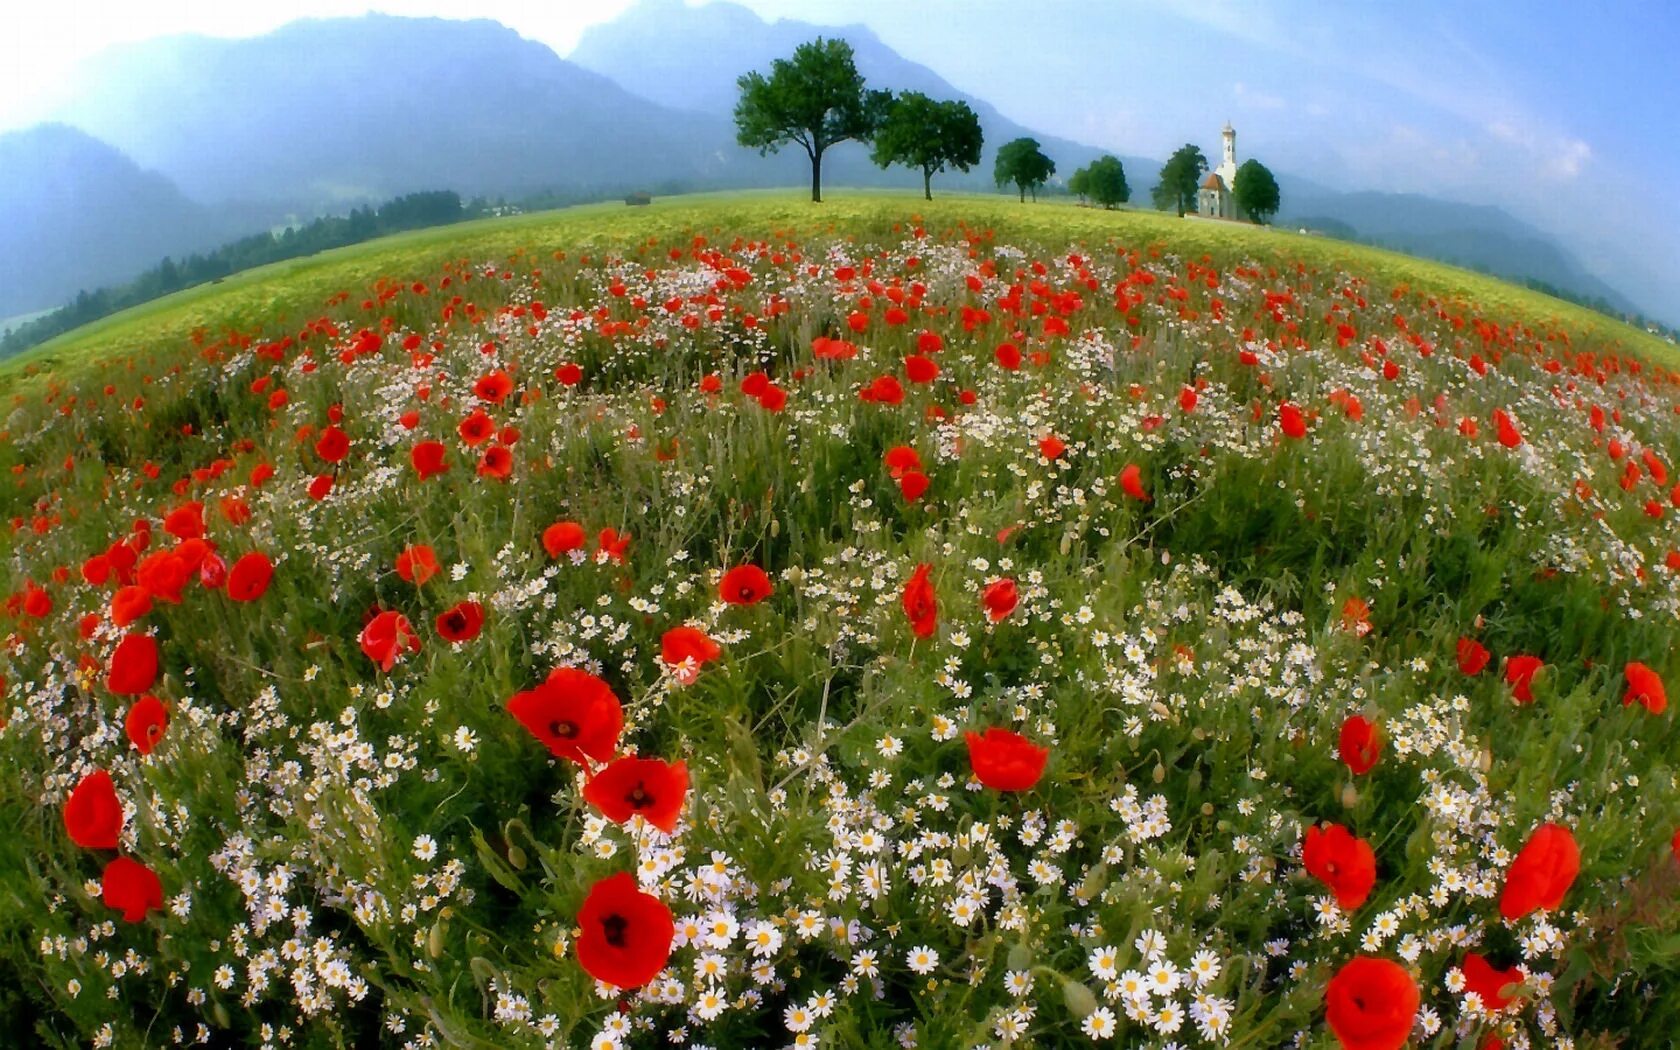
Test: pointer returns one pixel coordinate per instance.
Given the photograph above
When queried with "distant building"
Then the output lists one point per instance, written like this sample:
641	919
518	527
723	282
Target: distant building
1215	198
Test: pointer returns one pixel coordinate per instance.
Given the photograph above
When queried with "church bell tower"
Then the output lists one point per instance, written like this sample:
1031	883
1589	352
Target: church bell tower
1230	137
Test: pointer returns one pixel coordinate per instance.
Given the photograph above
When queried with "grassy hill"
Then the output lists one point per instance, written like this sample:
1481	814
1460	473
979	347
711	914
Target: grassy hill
298	286
743	623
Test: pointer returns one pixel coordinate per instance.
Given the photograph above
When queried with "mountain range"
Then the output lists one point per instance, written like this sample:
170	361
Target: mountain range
174	144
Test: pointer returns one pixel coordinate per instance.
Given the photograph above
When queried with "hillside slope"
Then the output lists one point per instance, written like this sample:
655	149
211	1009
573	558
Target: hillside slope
75	213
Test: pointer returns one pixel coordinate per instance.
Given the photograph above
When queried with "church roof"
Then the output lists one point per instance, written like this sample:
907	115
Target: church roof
1213	181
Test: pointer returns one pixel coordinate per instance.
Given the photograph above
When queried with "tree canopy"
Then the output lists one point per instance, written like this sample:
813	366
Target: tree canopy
1023	164
1079	184
920	132
1180	178
1106	181
816	98
1256	191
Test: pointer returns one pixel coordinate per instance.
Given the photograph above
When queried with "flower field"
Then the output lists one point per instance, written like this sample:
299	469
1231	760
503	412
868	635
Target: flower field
912	626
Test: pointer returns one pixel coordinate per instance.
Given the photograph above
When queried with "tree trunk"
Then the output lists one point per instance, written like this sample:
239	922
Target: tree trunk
927	184
816	177
1023	188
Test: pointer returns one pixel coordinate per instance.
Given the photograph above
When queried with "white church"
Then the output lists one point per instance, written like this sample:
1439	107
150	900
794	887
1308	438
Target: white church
1215	198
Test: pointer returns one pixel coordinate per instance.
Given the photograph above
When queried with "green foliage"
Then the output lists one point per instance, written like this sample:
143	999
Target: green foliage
1106	181
816	99
1079	183
929	135
1256	191
1023	164
1181	176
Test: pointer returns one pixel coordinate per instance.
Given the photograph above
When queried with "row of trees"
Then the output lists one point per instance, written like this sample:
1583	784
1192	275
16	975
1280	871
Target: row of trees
818	99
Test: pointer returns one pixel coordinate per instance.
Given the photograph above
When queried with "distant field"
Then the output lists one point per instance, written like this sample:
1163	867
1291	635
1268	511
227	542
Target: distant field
297	287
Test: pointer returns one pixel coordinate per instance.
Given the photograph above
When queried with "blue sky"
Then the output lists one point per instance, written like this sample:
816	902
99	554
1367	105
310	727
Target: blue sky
1563	113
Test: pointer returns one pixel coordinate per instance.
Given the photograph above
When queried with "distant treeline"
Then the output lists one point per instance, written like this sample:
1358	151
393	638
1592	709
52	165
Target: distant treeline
410	212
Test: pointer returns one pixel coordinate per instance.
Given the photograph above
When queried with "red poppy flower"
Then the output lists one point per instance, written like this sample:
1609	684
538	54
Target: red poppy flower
146	721
1509	435
1473	656
249	578
1004	760
1187	400
386	636
1519	675
131	888
185	522
1360	745
333	445
1371	1004
212	570
1008	356
913	486
612	543
569	374
928	342
773	398
1480	977
428	459
901	460
164	574
624	936
1542	873
1344	863
1051	446
497	463
129	604
494	387
1131	482
745	585
321	487
648	786
134	665
1645	686
93	814
574	714
476	429
687	649
754	383
417	564
461	622
919	369
562	537
885	390
1292	421
999	599
920	603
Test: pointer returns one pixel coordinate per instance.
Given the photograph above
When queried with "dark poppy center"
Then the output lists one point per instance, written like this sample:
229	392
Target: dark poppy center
638	797
564	730
613	927
456	621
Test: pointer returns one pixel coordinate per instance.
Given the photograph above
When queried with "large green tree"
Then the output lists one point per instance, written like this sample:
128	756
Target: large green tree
1106	181
920	132
816	98
1256	191
1180	178
1079	184
1024	165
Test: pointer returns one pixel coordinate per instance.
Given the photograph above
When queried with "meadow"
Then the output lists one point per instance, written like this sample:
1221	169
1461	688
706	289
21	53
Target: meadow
734	622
